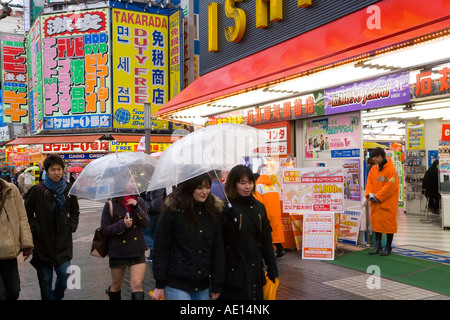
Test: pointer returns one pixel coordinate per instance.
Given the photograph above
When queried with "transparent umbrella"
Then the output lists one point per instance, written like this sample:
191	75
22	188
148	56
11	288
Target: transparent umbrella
216	147
115	175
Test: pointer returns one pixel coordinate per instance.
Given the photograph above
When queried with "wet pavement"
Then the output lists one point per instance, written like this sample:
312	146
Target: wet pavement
299	279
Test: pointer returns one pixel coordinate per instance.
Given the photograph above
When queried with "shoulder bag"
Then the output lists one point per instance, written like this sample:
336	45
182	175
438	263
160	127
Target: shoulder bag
99	246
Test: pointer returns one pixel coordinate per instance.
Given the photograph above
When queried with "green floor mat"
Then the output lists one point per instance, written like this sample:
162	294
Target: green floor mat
391	266
424	274
435	279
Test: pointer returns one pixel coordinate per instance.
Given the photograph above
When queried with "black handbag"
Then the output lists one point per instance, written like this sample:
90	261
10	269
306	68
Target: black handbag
100	242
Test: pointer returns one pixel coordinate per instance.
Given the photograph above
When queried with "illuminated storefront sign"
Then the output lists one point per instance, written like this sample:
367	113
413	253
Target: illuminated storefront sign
97	146
76	72
34	52
14	79
140	66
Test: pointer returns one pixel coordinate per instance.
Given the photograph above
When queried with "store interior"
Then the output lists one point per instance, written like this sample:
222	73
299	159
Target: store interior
388	125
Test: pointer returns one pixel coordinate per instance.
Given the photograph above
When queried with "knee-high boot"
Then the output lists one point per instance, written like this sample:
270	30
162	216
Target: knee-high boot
113	295
377	247
137	295
387	250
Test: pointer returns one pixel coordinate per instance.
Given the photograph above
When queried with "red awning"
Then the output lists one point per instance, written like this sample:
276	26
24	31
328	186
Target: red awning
348	37
55	139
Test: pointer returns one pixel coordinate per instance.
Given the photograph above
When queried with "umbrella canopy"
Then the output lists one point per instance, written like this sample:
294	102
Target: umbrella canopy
75	169
115	175
33	168
220	146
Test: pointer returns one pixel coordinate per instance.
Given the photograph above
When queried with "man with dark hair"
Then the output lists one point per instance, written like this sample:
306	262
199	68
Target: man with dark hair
382	192
53	216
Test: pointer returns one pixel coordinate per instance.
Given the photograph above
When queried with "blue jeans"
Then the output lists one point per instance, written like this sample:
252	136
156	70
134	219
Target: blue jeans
45	277
177	294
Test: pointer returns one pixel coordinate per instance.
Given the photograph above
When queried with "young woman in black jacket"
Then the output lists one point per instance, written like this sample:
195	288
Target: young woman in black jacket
247	239
127	245
188	256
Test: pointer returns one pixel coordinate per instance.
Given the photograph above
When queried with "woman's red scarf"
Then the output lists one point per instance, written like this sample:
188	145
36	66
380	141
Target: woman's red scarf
124	200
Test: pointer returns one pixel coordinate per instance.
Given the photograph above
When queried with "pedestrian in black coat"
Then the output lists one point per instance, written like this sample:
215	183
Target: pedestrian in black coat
247	239
127	245
430	183
53	217
188	256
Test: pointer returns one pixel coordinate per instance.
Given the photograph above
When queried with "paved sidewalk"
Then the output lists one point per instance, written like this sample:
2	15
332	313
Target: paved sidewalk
299	279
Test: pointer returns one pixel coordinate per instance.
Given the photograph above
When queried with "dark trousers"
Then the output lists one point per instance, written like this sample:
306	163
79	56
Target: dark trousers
9	280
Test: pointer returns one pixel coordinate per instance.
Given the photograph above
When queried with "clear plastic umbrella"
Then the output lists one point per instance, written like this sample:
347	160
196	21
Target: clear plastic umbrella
115	175
216	147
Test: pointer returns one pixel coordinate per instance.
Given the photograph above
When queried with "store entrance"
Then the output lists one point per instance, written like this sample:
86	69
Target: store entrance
414	144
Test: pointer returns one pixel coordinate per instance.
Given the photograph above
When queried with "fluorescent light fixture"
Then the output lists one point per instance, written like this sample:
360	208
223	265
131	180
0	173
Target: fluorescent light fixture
420	54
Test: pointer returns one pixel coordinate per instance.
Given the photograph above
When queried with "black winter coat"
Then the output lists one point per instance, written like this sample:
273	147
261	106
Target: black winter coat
189	258
248	240
51	227
125	242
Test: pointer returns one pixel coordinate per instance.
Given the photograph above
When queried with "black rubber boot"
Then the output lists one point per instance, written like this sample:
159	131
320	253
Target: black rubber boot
377	247
137	295
387	250
113	295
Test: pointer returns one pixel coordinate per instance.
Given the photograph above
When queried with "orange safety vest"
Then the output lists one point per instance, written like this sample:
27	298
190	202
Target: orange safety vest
266	193
385	185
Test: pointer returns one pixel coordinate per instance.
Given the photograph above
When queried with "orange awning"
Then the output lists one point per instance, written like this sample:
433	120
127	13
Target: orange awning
342	39
55	139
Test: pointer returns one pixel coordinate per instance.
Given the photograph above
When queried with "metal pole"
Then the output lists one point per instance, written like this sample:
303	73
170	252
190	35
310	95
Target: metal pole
147	126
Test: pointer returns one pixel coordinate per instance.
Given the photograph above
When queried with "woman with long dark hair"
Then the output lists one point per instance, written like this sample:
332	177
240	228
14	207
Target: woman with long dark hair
248	239
188	256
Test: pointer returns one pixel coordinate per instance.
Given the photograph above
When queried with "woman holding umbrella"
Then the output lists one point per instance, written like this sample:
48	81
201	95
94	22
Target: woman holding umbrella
127	245
248	240
188	254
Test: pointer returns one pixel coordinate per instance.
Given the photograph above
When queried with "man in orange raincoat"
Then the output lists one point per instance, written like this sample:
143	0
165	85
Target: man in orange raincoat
267	194
382	192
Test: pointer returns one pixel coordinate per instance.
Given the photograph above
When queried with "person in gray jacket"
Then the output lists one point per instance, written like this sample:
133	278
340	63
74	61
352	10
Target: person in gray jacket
15	238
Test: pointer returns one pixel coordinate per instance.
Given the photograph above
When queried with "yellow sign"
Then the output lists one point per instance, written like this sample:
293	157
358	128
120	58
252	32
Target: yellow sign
234	33
140	66
416	135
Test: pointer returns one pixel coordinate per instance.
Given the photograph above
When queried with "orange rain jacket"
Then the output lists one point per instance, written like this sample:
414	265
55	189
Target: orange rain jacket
385	185
266	193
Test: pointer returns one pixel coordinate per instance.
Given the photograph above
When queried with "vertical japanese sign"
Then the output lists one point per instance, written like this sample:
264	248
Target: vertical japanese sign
76	74
318	195
14	79
140	66
175	31
35	85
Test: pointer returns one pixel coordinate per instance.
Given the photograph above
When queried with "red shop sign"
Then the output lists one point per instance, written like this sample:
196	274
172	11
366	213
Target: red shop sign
446	132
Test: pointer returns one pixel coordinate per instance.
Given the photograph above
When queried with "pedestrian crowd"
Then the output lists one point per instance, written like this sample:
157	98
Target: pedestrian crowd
202	246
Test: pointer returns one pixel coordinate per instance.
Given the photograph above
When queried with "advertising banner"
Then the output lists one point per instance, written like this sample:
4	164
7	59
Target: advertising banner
176	53
76	70
14	78
314	197
35	81
431	82
337	136
416	135
380	92
140	67
349	226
